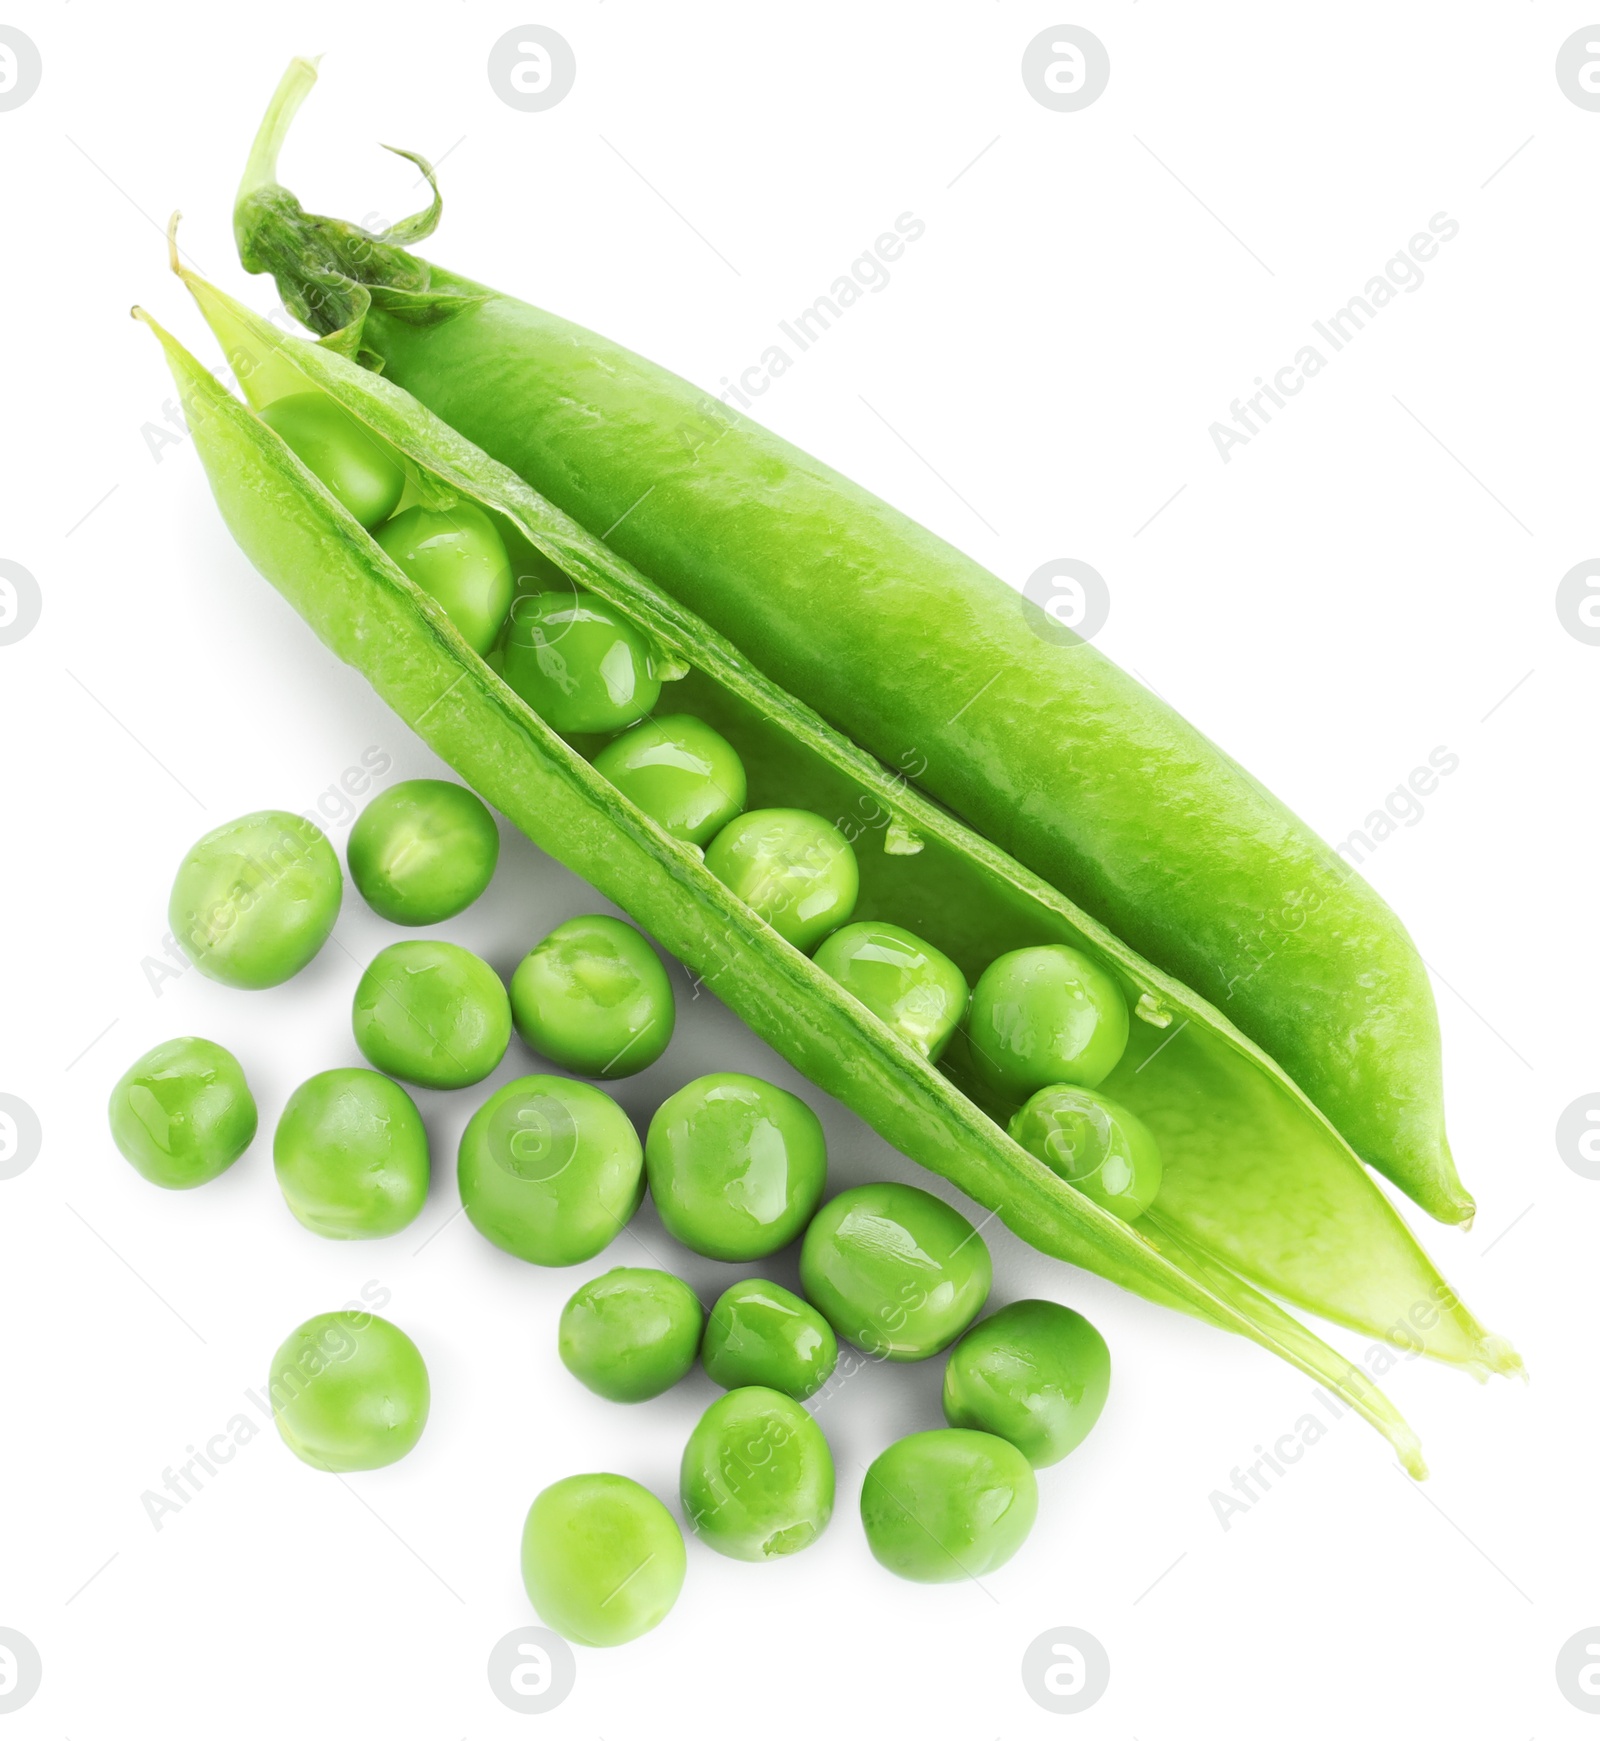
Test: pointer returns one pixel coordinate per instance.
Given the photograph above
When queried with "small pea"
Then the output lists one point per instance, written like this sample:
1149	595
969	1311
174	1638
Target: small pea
255	899
1097	1145
1046	1015
630	1334
736	1165
348	460
579	663
759	1333
679	772
351	1155
423	851
602	1559
183	1113
550	1170
1035	1373
757	1480
594	998
349	1390
456	555
905	982
432	1013
948	1504
794	869
895	1270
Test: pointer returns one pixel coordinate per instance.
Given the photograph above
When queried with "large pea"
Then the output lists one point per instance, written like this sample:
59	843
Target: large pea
456	555
1096	1144
796	870
351	1155
432	1013
355	465
757	1476
906	983
680	773
349	1390
948	1504
183	1113
630	1334
759	1333
423	851
579	663
593	997
1046	1015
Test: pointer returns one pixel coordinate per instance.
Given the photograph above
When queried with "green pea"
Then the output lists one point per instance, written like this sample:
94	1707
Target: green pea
796	870
579	663
351	1155
1046	1015
1098	1146
255	899
895	1270
456	555
349	1391
757	1476
736	1166
423	851
948	1504
593	997
602	1559
183	1113
759	1333
680	773
348	460
1035	1373
906	983
432	1013
550	1170
631	1333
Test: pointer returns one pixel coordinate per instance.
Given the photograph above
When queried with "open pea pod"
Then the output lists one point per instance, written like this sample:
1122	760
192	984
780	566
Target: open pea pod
1259	1191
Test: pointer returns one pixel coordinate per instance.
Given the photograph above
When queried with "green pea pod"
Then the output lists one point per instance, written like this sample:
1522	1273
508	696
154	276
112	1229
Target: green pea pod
1260	1191
917	654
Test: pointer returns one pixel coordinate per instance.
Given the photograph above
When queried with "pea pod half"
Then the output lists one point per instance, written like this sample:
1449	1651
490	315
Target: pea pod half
914	651
1259	1191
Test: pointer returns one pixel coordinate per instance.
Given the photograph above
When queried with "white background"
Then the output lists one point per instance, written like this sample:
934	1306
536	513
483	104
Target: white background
1372	577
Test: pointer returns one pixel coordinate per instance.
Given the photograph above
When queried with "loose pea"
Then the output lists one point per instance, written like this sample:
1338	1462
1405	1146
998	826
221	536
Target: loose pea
351	1155
593	997
255	899
736	1166
1098	1146
1046	1015
432	1013
456	555
349	1391
757	1476
579	663
948	1504
550	1170
423	851
183	1113
602	1559
759	1333
358	468
905	982
631	1333
895	1270
678	771
796	870
1035	1373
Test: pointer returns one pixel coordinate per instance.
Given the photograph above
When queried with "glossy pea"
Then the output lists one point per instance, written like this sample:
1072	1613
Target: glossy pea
351	1155
895	1270
756	1479
594	998
183	1113
355	465
795	869
736	1166
948	1504
680	773
906	983
550	1170
1035	1373
602	1559
579	663
630	1334
432	1013
423	851
349	1390
1046	1015
759	1333
255	899
455	555
1096	1144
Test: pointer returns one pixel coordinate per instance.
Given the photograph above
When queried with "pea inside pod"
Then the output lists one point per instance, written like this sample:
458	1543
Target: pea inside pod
1098	1146
456	555
579	663
679	771
909	985
347	459
792	867
1046	1015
